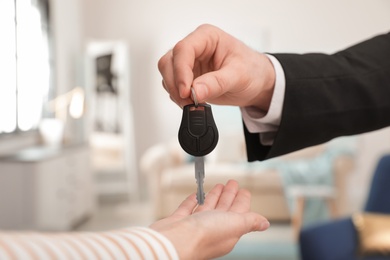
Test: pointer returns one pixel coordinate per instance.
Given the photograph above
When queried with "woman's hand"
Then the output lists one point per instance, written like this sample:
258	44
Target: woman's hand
211	230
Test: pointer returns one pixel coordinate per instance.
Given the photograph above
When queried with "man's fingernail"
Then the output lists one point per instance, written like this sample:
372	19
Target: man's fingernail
201	92
264	225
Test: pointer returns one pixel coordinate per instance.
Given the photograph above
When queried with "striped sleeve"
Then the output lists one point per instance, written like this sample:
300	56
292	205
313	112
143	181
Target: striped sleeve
130	243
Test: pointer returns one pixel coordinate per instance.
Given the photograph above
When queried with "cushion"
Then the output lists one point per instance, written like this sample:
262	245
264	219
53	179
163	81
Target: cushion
373	231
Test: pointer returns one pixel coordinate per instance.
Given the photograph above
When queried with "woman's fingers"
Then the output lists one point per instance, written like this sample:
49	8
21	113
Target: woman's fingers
228	195
254	222
222	197
187	206
242	202
212	199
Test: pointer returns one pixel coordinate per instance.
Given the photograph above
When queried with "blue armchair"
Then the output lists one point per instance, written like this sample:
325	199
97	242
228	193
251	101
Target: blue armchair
337	240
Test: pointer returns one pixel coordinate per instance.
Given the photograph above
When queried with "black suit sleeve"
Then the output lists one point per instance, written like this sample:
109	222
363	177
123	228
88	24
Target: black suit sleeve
327	96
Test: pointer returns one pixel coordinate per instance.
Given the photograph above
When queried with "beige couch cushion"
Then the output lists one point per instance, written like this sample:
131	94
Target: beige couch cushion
183	177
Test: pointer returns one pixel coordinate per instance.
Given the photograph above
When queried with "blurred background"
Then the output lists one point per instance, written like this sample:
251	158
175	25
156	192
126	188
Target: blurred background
88	136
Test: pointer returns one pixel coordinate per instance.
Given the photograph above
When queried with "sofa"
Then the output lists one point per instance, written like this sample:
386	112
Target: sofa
340	239
171	177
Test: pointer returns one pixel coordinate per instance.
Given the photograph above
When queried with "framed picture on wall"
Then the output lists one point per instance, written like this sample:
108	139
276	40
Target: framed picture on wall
107	94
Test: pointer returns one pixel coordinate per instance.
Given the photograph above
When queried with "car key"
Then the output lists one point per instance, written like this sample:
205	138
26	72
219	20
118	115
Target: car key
198	136
199	176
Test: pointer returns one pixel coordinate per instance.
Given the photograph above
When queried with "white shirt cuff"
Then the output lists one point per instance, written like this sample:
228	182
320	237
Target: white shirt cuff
267	124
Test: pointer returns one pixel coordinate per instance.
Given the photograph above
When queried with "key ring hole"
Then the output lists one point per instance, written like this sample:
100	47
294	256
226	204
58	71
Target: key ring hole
193	94
199	108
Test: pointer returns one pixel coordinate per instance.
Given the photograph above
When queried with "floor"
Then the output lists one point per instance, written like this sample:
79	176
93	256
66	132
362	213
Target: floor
277	243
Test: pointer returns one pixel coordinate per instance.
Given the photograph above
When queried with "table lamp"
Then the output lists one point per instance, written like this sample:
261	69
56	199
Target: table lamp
52	129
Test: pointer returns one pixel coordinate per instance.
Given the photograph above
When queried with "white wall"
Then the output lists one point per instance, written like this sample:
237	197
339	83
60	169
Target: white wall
68	32
152	27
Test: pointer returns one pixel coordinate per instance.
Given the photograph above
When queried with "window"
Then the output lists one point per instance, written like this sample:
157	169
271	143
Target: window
24	63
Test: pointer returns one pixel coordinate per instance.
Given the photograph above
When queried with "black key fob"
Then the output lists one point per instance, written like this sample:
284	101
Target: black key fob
198	134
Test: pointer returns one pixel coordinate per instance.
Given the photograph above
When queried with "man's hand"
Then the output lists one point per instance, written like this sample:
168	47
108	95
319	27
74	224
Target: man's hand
211	230
220	68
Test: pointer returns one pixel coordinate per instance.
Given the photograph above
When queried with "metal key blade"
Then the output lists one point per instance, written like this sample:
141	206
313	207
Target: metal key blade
199	176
